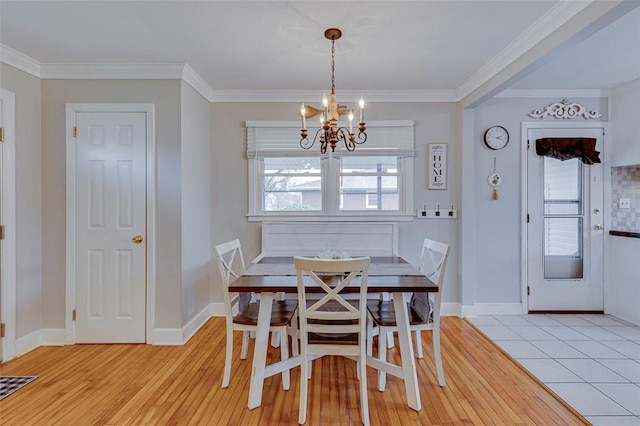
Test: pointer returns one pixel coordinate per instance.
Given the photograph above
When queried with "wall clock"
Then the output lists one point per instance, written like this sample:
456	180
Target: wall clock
496	137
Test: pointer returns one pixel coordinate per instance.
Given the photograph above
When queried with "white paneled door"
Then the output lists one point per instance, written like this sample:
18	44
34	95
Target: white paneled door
110	224
565	232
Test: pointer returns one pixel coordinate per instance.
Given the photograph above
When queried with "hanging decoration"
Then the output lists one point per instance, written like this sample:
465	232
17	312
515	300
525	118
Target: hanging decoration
494	180
330	131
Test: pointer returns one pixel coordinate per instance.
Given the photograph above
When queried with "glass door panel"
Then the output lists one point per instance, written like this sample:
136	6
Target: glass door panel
563	219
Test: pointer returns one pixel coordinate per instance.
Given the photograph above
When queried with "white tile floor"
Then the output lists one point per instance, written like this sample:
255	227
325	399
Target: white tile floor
590	361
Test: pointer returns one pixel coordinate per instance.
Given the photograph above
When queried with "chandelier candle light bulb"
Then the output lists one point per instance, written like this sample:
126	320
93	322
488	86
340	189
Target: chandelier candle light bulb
330	132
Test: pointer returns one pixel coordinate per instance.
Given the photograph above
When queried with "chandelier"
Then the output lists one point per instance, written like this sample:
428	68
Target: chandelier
329	132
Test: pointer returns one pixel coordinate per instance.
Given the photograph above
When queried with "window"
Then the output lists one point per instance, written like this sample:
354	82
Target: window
289	183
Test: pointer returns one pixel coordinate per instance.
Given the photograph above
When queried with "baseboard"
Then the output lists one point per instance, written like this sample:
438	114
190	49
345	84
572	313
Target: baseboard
180	336
190	328
491	309
28	343
166	337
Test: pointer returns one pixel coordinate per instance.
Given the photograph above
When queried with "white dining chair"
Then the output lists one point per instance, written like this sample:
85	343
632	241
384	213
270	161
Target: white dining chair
242	312
424	310
331	324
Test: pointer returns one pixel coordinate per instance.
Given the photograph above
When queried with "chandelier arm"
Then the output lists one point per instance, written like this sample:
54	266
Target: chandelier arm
345	136
304	140
362	138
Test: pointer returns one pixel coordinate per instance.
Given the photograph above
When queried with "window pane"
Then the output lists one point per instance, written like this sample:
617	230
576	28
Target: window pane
563	248
368	164
292	165
292	184
369	183
562	186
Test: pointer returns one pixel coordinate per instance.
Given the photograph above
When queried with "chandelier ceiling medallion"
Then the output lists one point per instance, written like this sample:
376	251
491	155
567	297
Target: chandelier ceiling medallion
329	132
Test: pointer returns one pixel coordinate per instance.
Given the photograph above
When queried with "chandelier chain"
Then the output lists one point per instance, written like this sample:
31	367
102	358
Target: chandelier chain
333	66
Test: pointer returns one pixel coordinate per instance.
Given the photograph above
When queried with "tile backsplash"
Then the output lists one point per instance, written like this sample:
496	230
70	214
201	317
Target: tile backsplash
625	183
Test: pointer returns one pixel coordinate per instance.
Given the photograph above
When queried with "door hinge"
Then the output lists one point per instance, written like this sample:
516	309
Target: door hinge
1	134
528	291
75	131
528	218
528	144
2	232
1	329
73	315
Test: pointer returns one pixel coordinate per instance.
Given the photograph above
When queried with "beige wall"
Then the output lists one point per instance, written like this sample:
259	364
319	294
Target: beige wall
434	122
165	95
29	220
196	202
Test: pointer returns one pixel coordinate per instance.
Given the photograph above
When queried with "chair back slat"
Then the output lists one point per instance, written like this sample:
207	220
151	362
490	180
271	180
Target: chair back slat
231	266
438	254
331	313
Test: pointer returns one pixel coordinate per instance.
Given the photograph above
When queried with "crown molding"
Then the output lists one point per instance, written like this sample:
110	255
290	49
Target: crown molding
19	60
560	94
548	23
344	95
194	80
112	71
624	88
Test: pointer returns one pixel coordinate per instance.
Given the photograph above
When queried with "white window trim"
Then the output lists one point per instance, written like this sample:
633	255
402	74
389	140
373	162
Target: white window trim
331	210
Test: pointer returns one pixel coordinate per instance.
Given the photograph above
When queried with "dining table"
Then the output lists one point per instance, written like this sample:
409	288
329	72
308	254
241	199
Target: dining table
387	275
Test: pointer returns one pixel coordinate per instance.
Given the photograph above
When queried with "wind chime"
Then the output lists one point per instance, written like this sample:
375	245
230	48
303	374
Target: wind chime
494	180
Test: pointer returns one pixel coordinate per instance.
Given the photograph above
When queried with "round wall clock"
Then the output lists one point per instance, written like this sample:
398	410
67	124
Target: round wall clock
496	137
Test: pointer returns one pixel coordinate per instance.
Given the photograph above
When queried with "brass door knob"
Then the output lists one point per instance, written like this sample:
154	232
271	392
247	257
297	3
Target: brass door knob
137	239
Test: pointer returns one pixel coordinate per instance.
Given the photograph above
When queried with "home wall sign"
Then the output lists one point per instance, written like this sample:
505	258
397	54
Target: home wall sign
437	163
565	110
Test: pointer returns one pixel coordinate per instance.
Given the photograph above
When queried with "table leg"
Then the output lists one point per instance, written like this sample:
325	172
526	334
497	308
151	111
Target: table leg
260	350
406	352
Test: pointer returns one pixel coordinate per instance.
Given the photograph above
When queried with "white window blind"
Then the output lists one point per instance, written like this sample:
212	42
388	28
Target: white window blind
282	139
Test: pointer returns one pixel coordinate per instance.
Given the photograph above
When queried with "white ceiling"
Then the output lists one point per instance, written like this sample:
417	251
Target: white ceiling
449	46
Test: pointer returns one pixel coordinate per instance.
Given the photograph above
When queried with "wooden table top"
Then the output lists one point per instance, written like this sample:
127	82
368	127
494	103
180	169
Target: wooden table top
376	284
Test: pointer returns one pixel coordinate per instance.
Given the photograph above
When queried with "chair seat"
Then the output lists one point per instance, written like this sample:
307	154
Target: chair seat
333	338
281	313
384	314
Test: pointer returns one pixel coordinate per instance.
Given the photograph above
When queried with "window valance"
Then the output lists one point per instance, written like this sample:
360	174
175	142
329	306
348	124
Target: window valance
282	139
568	148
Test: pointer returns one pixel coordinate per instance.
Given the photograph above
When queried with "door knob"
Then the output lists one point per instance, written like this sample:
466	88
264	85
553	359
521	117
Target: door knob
137	239
598	227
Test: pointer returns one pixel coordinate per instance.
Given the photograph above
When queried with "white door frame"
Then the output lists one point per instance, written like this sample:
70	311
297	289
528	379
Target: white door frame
524	238
71	110
9	260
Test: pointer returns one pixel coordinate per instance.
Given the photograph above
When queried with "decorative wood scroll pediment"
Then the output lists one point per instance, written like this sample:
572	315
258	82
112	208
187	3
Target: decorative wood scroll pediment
565	110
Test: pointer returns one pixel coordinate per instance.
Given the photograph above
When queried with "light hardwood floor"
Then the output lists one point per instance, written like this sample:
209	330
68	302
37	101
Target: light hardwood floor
180	385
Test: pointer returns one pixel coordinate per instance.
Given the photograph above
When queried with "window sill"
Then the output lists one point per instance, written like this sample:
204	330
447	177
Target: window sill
319	217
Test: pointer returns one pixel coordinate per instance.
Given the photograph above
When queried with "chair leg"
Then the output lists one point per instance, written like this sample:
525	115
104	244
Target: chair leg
419	353
275	340
293	329
436	352
364	398
228	357
305	374
382	356
245	345
390	340
284	354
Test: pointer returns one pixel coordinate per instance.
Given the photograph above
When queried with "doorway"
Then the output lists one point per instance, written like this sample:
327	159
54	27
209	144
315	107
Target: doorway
8	261
565	224
109	223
